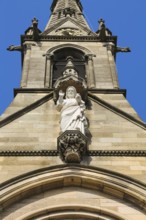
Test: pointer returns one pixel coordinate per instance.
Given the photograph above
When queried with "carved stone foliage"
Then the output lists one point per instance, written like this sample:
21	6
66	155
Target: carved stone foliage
72	145
69	32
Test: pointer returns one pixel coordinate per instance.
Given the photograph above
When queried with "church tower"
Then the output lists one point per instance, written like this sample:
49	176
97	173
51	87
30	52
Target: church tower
71	145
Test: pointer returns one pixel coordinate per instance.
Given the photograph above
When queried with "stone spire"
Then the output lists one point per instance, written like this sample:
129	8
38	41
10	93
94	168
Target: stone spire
66	8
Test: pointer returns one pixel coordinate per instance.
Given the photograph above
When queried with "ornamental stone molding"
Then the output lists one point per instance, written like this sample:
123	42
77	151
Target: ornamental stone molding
130	189
55	153
69	45
69	32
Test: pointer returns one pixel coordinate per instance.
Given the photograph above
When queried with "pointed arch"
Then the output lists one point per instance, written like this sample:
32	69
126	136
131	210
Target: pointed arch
69	45
83	58
72	212
50	178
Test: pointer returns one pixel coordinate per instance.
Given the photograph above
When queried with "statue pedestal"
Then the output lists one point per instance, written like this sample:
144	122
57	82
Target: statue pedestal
72	146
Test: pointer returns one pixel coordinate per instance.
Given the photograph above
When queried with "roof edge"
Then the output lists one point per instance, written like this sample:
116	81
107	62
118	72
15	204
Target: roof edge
25	110
117	111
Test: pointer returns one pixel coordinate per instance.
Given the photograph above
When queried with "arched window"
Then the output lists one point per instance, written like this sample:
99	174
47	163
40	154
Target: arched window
56	61
60	61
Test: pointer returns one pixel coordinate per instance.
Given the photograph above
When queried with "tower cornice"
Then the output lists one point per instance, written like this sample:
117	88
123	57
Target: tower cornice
112	39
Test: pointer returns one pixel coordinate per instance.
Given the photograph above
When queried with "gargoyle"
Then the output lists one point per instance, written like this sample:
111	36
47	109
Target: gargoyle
14	48
121	49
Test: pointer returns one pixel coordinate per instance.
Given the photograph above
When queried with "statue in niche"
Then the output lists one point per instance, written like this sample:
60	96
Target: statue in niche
72	111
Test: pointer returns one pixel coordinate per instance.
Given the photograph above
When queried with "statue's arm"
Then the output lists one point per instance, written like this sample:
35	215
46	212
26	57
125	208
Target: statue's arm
78	98
60	101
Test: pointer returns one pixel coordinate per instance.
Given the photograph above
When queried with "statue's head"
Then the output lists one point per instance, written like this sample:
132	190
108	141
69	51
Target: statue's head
71	92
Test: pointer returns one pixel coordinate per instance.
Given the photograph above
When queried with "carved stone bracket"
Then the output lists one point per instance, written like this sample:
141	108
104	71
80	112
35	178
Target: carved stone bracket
72	145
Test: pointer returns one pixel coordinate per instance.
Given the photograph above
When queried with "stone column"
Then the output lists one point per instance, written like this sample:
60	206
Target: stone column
87	72
110	49
26	63
48	74
90	71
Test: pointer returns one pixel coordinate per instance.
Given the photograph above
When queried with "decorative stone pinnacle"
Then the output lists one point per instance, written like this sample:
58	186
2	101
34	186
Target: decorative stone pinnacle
35	21
103	32
69	62
70	68
101	23
33	29
101	20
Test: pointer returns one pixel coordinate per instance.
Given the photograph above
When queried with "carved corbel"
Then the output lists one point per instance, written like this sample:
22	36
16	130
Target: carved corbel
72	146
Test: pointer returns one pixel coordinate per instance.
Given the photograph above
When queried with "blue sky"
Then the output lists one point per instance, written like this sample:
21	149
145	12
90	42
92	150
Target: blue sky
125	18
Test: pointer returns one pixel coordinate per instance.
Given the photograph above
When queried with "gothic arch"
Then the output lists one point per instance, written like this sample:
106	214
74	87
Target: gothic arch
59	176
74	46
72	212
86	69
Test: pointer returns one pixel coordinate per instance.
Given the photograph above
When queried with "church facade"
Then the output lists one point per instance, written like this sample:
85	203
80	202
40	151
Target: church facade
71	145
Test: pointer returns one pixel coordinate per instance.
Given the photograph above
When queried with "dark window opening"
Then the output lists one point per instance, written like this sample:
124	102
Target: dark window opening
60	61
59	14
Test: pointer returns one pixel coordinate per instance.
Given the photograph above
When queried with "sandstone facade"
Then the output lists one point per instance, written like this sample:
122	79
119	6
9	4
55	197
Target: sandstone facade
110	181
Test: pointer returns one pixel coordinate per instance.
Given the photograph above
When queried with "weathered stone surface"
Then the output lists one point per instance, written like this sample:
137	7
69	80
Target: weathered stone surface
110	185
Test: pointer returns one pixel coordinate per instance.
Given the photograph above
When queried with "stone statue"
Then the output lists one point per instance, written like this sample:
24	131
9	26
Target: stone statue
72	111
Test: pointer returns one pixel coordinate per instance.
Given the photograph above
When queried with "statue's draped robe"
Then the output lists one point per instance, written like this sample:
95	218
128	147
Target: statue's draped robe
72	115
